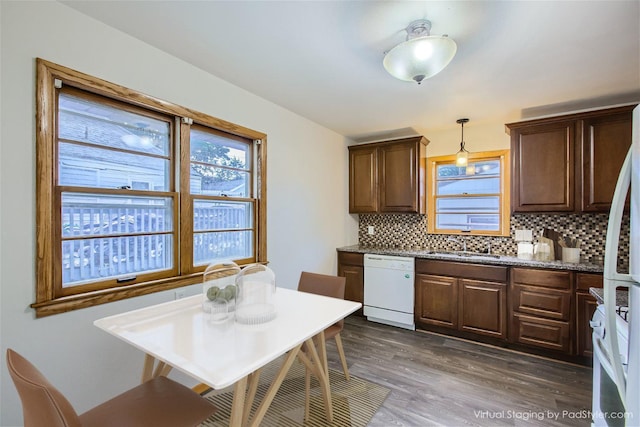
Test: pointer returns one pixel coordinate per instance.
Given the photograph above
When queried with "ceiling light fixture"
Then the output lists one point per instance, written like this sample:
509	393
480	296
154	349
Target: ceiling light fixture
421	56
462	156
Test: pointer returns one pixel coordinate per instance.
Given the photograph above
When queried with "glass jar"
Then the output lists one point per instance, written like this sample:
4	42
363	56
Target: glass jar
255	300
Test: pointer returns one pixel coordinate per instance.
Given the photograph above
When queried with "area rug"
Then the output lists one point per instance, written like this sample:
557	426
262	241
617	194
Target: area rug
354	401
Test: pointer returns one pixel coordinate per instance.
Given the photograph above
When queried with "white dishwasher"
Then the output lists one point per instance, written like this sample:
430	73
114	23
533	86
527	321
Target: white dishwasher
389	290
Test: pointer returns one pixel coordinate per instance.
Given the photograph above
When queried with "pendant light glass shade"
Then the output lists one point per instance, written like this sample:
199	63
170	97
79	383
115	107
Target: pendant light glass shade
462	156
421	56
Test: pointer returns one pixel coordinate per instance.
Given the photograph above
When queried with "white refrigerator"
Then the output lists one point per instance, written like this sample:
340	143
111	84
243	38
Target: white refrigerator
626	378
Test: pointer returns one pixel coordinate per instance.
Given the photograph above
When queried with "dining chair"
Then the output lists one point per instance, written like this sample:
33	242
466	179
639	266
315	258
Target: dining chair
157	402
330	286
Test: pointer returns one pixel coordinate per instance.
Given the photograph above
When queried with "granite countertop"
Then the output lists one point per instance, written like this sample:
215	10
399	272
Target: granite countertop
493	259
622	296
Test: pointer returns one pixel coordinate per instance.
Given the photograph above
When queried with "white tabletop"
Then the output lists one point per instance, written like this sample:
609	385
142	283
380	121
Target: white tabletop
219	354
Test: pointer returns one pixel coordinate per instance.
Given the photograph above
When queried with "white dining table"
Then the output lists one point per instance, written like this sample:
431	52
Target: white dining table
179	334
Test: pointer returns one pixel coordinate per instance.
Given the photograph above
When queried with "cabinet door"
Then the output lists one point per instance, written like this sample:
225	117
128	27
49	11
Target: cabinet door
350	266
586	305
543	167
363	179
483	308
437	300
605	142
398	177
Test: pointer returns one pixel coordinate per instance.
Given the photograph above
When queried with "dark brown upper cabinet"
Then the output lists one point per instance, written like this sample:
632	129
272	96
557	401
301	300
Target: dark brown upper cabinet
568	163
605	142
388	176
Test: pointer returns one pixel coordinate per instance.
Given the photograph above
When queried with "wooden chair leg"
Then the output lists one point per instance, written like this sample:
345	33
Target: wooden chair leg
343	359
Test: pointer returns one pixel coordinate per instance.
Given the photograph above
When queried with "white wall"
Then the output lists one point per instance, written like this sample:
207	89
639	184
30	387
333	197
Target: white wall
307	191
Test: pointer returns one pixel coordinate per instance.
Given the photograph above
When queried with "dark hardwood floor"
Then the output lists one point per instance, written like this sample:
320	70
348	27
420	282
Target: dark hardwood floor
441	381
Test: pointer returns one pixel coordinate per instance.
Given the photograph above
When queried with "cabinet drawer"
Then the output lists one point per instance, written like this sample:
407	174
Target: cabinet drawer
541	302
543	333
586	281
491	273
544	278
350	258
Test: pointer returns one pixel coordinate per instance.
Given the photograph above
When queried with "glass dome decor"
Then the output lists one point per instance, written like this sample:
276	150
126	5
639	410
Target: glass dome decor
255	299
219	288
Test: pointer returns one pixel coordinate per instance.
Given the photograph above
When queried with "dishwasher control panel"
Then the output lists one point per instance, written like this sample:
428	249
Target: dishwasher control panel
389	262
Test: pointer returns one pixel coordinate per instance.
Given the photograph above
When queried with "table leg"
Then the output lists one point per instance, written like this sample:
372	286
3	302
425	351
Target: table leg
275	385
313	362
237	407
147	370
307	392
254	379
152	370
162	369
323	352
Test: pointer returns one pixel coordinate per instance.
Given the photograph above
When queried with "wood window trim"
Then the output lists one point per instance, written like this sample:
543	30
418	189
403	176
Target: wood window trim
505	190
47	75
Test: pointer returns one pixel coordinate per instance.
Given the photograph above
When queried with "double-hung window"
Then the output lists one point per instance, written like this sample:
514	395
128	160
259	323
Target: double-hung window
473	199
137	195
112	229
220	189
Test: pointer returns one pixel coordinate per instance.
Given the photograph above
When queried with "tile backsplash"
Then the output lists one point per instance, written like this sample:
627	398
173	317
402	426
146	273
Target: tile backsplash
410	231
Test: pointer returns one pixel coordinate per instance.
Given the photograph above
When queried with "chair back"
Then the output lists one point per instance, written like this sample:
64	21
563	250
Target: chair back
42	403
322	284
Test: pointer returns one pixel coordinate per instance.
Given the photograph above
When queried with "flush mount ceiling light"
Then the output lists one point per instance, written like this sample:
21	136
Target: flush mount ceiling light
421	56
462	156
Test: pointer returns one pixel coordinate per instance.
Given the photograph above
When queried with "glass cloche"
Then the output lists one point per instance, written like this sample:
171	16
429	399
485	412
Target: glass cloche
255	299
219	288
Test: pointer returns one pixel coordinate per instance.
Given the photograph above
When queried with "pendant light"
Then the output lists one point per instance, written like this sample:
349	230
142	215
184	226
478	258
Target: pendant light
462	157
421	56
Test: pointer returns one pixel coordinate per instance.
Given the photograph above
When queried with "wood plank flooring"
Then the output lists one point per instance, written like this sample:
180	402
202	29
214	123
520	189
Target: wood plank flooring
441	381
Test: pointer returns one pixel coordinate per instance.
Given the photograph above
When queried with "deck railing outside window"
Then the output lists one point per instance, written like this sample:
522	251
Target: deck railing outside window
113	240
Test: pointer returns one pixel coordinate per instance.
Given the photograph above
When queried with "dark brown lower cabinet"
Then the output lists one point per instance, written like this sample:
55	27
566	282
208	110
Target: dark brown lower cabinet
351	266
540	332
541	309
468	305
585	306
483	308
531	309
437	301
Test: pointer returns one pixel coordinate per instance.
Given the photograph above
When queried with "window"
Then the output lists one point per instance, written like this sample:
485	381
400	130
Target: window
137	195
472	199
221	177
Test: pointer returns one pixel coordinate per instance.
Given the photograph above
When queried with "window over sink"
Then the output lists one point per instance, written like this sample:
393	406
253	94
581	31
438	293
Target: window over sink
473	199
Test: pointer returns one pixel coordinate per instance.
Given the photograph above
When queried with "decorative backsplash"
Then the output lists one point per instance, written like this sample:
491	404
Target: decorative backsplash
409	231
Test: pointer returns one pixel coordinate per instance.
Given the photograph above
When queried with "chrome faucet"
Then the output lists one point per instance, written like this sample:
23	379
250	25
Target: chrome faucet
461	241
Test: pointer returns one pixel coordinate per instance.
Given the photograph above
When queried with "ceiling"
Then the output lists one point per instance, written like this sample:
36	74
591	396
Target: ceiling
323	59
